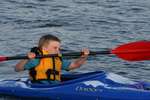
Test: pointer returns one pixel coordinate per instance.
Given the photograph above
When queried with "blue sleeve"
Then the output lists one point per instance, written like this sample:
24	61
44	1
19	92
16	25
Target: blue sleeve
31	64
65	64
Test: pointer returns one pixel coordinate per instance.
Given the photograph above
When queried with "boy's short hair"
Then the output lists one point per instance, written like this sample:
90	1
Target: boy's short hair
46	38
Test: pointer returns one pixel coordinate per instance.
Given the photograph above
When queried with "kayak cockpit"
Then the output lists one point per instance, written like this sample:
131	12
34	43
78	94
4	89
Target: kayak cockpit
70	78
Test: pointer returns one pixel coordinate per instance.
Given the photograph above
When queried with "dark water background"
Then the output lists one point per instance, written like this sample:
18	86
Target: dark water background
95	24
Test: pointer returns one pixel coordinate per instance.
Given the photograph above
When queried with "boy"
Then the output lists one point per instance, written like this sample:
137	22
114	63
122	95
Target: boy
48	70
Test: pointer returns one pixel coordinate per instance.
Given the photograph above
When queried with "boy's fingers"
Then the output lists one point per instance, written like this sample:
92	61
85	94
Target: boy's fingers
85	51
31	55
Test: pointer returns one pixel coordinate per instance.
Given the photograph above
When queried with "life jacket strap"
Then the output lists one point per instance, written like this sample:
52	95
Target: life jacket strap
50	72
54	68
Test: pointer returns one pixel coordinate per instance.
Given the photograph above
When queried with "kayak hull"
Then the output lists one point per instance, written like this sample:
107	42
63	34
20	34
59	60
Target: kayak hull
89	86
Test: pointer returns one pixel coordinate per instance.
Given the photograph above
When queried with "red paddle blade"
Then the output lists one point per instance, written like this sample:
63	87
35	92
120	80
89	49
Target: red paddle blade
2	58
133	51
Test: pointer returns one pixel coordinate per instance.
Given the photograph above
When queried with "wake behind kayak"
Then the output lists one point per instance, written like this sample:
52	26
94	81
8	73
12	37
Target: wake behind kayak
89	86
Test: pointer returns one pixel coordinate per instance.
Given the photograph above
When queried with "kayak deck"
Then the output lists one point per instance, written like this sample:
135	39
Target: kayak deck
90	86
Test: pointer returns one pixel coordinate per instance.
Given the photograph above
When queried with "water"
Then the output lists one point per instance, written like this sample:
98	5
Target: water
95	24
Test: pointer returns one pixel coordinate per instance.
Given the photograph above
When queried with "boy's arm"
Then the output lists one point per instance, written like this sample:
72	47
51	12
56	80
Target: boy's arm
22	63
78	62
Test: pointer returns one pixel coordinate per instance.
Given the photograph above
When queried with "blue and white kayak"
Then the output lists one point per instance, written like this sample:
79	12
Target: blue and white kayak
88	86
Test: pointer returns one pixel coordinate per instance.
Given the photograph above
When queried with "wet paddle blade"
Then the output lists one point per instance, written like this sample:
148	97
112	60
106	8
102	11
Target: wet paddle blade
133	51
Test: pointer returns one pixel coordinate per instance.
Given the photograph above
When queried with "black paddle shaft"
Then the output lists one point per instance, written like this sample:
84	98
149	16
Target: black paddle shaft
92	53
72	54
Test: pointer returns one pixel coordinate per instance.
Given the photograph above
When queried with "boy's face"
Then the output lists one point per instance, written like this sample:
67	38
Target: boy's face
53	47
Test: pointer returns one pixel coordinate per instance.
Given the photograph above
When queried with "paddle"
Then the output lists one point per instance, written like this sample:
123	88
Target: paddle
133	51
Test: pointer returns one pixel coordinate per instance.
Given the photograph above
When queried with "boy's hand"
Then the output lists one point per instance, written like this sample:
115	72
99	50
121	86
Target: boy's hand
31	55
85	52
